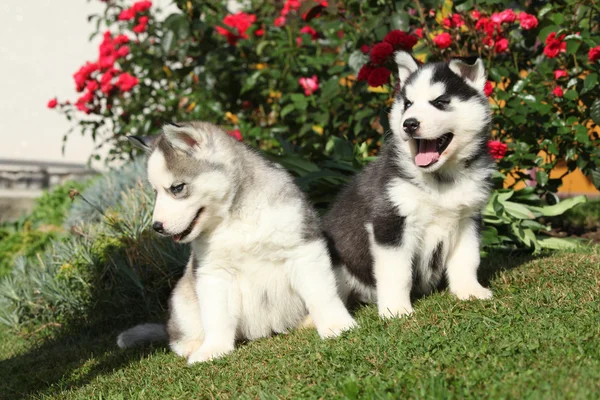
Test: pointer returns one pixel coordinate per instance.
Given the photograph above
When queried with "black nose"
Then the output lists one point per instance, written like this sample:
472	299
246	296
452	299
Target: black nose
158	227
410	126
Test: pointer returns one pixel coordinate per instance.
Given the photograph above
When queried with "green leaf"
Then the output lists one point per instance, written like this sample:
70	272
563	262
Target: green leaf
573	45
561	207
400	21
595	112
571	94
167	41
518	210
595	176
489	236
545	10
541	177
590	82
503	196
558	243
287	109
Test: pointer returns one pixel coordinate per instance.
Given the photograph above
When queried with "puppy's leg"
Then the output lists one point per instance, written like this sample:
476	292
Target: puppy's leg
185	323
219	304
463	263
313	278
393	274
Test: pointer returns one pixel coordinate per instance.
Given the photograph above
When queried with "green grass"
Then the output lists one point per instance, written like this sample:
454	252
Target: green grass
538	338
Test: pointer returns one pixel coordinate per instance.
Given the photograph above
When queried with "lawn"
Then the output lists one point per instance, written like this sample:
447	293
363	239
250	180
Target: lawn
538	338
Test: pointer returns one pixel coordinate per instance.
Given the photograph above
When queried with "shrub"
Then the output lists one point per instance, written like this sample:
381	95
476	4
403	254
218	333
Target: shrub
310	82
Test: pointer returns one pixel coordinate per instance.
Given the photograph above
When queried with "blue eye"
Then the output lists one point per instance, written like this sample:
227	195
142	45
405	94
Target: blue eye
177	188
407	104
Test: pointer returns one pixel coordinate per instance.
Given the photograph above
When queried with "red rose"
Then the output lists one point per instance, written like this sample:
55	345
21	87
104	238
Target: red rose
83	74
279	22
364	72
501	45
52	103
508	16
86	98
365	48
310	31
497	149
236	134
127	15
121	39
106	62
558	92
400	40
380	52
475	15
92	86
527	21
141	26
379	76
559	73
126	82
488	88
259	32
554	45
82	107
454	21
594	54
240	22
123	51
443	40
419	32
141	6
309	84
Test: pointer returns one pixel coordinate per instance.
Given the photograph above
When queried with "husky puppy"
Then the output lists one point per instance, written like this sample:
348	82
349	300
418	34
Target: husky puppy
412	217
259	262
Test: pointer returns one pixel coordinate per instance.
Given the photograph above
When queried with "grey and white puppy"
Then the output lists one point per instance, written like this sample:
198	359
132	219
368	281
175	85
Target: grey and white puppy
259	261
412	217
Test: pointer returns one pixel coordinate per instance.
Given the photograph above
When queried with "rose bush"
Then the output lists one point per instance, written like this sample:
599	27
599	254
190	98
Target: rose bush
310	83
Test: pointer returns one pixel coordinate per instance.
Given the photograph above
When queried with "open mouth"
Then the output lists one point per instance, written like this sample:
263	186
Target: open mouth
429	151
180	236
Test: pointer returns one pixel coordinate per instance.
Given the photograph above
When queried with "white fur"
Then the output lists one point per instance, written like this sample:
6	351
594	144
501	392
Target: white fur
252	272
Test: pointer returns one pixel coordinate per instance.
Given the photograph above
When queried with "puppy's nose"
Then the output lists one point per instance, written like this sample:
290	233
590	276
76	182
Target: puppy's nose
158	227
410	126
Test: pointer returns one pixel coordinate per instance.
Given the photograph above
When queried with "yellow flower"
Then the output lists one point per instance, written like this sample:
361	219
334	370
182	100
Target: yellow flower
318	129
348	81
260	66
231	117
167	70
191	107
378	89
275	94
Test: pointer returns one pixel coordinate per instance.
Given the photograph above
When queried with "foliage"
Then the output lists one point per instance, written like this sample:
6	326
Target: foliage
30	235
294	79
109	261
106	192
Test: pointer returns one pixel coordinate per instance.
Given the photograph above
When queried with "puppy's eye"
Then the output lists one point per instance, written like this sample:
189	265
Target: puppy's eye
441	102
407	104
177	188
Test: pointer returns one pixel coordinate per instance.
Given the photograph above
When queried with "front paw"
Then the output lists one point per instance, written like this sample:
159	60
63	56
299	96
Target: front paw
209	352
335	328
474	291
397	311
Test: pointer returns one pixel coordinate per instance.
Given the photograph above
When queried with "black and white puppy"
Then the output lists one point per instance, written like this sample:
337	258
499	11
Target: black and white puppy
412	217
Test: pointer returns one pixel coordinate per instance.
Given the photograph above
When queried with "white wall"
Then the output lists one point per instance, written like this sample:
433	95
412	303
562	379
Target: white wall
42	43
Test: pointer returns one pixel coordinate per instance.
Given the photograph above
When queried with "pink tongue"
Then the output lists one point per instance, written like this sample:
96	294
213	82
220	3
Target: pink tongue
426	153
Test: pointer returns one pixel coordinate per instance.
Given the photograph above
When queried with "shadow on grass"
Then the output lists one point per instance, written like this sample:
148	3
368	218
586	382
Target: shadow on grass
70	357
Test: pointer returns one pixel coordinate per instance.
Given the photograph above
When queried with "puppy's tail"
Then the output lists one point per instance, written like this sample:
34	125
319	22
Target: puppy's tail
143	333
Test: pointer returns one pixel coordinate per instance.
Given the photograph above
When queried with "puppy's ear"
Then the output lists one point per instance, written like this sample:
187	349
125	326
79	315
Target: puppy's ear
184	138
142	142
471	69
406	65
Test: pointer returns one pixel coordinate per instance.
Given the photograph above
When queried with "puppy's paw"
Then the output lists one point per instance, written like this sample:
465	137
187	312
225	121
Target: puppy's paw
398	311
185	348
335	328
209	352
474	291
